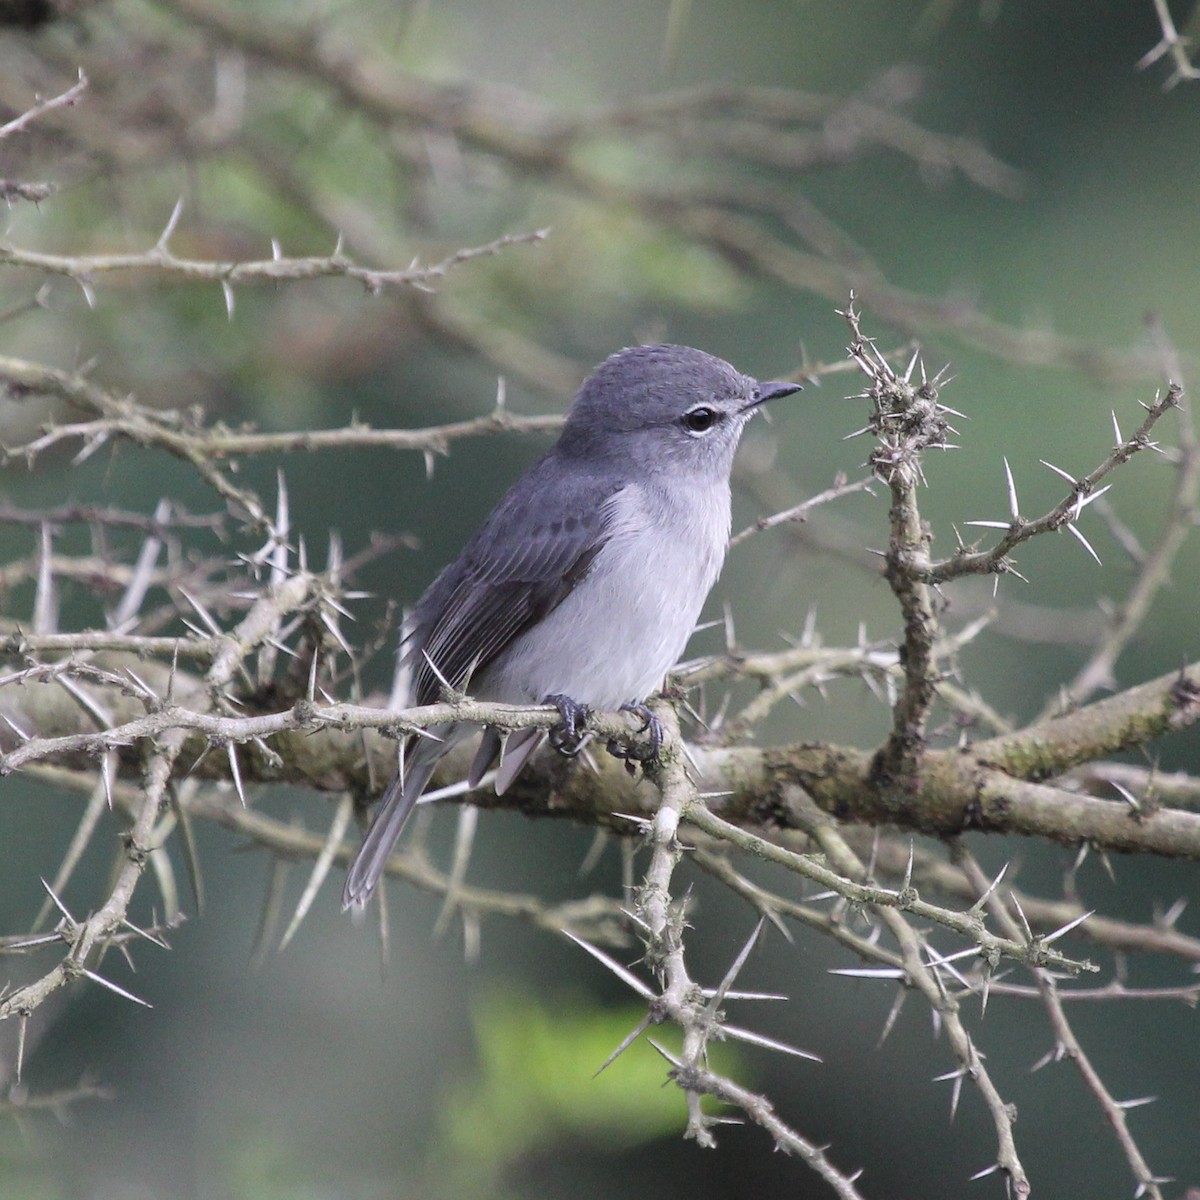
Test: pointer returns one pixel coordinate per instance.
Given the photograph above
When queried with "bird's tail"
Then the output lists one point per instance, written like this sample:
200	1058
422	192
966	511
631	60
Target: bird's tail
394	810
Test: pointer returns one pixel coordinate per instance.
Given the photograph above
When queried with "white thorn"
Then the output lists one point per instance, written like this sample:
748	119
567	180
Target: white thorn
1014	510
1084	543
172	222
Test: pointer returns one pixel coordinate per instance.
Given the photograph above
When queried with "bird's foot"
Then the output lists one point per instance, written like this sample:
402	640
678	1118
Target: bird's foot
569	735
639	752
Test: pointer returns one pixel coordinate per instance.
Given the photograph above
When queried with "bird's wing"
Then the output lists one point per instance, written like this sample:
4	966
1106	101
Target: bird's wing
525	560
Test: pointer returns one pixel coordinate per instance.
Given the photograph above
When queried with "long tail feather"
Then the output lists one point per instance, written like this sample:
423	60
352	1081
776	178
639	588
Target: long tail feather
394	810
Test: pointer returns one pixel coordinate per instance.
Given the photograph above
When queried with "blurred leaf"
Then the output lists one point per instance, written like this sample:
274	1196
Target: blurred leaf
23	1173
537	1083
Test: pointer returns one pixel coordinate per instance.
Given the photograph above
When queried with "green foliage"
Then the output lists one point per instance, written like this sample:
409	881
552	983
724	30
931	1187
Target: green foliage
537	1084
23	1172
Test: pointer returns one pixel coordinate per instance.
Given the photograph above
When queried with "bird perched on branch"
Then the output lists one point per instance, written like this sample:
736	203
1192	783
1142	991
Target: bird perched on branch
582	587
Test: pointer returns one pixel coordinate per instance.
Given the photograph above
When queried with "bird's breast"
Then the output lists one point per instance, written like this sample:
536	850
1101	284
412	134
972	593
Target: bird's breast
613	639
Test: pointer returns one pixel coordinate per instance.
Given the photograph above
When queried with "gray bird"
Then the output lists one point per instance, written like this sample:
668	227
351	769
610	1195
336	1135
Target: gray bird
584	584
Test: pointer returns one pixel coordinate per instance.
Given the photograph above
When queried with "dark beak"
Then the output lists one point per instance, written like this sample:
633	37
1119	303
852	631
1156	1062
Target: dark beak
773	391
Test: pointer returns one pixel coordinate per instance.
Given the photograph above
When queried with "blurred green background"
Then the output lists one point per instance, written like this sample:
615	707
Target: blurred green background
309	1074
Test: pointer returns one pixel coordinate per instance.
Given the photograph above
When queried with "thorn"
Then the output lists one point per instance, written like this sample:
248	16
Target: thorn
106	778
1134	803
675	1062
25	737
227	292
1106	863
956	1091
736	966
45	603
1064	929
736	995
140	684
62	908
22	1027
235	771
594	853
977	907
113	987
768	1043
312	678
1059	471
329	849
1172	915
1024	920
622	973
169	230
202	612
1084	542
161	943
1012	492
631	1037
986	1172
893	1014
279	559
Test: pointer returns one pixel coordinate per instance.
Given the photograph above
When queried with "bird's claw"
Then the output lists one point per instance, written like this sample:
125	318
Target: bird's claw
569	735
636	752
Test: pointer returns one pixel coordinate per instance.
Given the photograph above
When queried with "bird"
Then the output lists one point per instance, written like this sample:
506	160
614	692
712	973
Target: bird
584	584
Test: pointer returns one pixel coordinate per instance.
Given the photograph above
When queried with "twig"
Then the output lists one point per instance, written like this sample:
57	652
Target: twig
907	419
1066	1043
41	107
978	562
159	259
1154	569
1170	43
927	980
800	511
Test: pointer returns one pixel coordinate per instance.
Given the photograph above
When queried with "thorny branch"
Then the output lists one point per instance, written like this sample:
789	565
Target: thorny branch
791	810
279	268
1066	512
41	107
117	704
182	435
661	921
13	189
906	420
89	937
1066	1044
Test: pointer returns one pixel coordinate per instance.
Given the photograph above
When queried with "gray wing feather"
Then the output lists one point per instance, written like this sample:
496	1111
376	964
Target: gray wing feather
523	562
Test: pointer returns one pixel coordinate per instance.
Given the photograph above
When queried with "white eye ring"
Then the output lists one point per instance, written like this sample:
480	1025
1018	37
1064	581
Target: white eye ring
700	420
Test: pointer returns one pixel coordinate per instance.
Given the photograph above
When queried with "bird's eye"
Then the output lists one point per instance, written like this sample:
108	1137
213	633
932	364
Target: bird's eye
699	420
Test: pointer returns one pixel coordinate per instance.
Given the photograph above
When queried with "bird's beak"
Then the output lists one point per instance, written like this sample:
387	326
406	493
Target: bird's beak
773	391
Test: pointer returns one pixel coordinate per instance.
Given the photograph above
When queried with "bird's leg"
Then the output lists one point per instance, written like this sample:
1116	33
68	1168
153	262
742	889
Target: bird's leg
568	736
632	752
